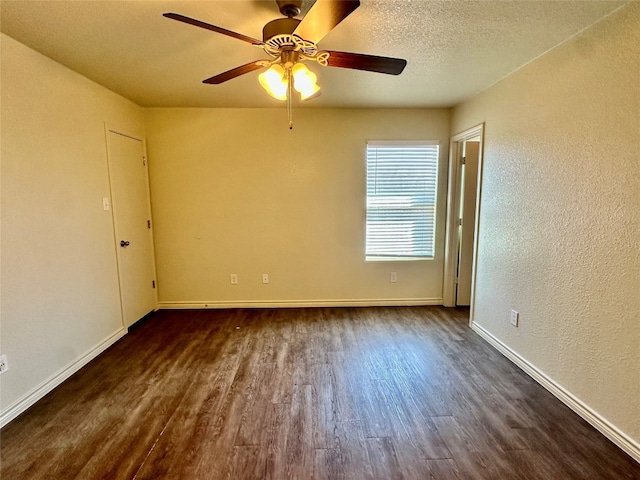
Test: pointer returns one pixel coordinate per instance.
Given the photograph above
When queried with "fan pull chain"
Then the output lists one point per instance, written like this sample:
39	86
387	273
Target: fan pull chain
290	98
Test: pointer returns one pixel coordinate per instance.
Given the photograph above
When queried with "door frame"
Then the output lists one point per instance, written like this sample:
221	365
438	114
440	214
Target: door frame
453	207
108	128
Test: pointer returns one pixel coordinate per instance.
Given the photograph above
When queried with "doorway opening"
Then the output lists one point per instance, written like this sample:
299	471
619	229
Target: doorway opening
463	208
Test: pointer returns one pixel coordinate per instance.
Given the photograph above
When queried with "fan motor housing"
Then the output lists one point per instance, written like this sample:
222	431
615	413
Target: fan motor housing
280	26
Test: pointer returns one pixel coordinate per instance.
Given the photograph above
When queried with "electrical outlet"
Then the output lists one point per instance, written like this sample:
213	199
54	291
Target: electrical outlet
394	277
4	366
233	278
514	317
265	278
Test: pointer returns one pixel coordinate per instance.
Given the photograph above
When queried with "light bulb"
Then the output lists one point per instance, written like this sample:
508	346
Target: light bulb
304	81
274	82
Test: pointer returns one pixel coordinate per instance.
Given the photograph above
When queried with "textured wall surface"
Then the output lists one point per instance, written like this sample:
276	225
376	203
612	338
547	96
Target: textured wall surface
235	191
59	278
559	237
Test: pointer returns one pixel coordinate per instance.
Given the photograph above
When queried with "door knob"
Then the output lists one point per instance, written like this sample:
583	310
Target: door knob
124	243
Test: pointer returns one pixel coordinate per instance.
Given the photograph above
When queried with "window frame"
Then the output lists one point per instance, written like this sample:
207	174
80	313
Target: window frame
434	167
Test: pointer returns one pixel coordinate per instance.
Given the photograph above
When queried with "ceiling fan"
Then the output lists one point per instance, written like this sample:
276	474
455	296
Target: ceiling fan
290	41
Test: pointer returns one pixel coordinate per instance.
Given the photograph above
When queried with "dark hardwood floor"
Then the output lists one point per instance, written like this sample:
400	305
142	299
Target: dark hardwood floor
325	393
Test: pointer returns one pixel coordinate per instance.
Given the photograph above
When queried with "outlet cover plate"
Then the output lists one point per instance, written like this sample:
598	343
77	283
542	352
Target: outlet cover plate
4	365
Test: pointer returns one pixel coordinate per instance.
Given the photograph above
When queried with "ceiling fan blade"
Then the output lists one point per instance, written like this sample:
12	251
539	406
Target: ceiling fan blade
323	16
213	28
371	63
234	72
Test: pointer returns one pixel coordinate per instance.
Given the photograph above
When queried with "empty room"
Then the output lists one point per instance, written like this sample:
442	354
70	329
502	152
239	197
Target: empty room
330	239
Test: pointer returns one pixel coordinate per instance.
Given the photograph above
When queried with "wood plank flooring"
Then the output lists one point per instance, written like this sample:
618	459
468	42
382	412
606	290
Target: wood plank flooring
324	393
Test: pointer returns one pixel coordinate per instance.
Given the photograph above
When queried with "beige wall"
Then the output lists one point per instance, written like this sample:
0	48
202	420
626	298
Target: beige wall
59	281
234	191
560	219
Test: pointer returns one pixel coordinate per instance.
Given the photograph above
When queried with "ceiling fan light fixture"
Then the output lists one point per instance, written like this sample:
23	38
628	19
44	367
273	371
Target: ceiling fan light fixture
274	81
290	40
304	81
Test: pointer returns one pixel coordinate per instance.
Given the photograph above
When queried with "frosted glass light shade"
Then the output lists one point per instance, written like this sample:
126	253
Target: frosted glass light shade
304	81
274	82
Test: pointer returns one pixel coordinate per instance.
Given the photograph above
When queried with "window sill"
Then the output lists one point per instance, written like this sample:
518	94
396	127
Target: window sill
396	259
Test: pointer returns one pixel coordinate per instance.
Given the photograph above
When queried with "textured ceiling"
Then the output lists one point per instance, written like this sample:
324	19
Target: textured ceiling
454	49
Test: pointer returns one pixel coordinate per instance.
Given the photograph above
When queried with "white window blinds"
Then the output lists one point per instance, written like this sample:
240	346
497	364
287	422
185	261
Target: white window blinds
402	179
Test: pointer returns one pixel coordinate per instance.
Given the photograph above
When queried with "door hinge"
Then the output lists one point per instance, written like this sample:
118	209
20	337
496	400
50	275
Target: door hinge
153	283
463	160
144	161
148	223
459	222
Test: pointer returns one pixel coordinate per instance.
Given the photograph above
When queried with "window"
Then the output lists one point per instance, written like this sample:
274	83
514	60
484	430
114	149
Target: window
402	180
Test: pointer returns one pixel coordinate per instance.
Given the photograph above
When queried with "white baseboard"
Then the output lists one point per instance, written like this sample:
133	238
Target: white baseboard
600	423
22	404
378	302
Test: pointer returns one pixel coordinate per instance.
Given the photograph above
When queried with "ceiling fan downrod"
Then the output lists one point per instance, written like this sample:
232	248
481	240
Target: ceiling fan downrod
289	8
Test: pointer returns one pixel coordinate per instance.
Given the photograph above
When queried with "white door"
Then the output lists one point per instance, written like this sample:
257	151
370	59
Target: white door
132	224
468	216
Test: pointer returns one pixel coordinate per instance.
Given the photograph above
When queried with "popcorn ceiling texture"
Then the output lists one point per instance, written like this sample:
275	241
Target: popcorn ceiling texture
560	215
454	48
